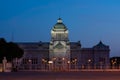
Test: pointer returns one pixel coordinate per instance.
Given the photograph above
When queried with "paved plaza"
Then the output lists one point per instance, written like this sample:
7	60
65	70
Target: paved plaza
81	75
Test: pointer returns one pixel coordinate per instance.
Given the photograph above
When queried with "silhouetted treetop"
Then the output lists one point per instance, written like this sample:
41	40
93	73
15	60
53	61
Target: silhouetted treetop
9	50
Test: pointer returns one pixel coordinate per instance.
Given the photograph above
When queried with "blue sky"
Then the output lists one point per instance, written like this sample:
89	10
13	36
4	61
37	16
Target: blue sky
87	20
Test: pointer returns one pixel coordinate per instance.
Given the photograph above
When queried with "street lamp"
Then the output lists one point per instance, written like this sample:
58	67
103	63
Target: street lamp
50	65
44	63
30	66
63	59
89	61
113	63
63	64
101	64
75	63
54	58
68	62
54	62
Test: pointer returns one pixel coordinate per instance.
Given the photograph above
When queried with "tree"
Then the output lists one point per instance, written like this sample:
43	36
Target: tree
9	50
3	49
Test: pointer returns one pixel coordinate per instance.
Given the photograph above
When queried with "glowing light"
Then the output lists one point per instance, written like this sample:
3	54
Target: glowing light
63	58
75	59
54	58
89	60
1	69
50	62
68	62
29	60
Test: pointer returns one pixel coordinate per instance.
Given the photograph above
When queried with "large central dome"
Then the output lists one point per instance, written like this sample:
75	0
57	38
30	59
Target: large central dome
59	25
59	31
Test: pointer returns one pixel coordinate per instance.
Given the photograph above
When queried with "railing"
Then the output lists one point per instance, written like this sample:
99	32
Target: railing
77	68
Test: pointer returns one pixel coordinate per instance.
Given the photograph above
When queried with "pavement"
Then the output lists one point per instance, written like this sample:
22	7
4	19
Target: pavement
73	75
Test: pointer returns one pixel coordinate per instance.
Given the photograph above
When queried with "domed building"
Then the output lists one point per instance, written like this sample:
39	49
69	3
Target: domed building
61	54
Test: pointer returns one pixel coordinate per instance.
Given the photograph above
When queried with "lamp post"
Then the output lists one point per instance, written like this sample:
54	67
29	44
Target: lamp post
30	66
54	62
75	64
16	64
89	61
101	64
44	61
50	65
63	64
82	66
94	66
113	63
68	65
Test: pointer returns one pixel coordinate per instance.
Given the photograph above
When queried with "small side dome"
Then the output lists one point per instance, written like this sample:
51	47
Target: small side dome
101	45
59	25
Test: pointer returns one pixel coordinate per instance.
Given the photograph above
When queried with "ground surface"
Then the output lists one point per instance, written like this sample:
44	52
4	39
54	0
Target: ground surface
86	75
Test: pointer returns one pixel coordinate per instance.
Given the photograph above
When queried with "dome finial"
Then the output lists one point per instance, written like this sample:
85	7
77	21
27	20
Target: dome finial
100	42
59	20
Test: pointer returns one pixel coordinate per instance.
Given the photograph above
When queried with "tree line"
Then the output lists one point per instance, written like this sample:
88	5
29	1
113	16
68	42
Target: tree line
10	50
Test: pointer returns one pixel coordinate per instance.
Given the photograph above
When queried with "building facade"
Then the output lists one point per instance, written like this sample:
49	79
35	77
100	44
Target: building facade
61	54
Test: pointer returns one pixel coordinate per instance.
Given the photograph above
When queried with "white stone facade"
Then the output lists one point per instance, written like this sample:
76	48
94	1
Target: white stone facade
61	54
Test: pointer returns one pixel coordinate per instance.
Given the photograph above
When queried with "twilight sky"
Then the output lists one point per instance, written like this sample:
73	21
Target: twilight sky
87	20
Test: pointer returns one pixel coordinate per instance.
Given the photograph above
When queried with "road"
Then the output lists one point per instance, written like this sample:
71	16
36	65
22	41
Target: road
85	75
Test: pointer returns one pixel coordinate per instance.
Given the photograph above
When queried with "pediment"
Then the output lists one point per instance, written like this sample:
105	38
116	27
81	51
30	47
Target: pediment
59	46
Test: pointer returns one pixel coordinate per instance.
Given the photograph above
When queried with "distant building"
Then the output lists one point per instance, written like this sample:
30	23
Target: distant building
61	54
